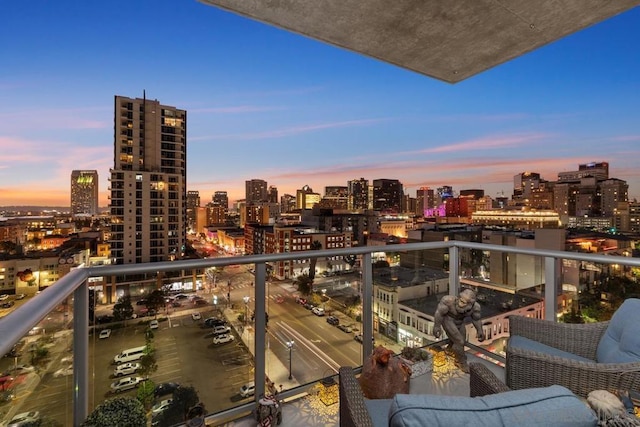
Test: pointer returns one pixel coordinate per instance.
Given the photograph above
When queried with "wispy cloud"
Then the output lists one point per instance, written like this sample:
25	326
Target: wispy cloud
241	109
487	143
73	119
296	130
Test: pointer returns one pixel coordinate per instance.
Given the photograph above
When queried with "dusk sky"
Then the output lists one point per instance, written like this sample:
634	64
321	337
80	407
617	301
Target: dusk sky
267	104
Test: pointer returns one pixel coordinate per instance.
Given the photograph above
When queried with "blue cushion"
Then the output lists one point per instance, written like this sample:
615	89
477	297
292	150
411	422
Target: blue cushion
621	341
517	341
549	406
378	410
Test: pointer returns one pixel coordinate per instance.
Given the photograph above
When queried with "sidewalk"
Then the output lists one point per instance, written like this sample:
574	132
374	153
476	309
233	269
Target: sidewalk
274	368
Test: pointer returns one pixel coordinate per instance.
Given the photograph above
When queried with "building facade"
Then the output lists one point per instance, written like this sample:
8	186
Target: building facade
148	182
84	192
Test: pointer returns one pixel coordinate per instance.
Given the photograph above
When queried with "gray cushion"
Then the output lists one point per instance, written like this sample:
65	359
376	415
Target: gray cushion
621	341
378	411
549	406
516	341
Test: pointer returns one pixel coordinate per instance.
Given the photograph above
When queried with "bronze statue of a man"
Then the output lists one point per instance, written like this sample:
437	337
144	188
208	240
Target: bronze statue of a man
450	315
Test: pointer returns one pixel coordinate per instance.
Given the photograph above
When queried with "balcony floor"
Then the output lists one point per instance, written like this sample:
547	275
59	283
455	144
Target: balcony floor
309	411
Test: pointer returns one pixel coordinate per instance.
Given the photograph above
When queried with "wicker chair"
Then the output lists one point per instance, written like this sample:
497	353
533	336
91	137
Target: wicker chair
526	368
354	413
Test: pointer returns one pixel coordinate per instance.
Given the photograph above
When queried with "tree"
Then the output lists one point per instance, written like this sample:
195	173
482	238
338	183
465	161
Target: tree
145	392
156	300
304	284
184	398
119	411
315	246
123	309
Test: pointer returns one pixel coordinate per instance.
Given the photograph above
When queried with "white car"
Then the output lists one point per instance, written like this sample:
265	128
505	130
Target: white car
224	338
126	369
126	383
63	372
318	311
248	389
153	324
196	316
4	297
219	330
160	407
105	333
24	369
24	419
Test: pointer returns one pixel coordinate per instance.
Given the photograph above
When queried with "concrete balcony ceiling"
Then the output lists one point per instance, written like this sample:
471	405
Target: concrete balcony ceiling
446	40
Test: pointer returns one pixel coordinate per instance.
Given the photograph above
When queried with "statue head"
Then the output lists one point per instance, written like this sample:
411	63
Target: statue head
466	297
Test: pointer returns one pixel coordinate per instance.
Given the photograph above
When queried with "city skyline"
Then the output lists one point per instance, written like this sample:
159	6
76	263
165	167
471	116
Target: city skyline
267	104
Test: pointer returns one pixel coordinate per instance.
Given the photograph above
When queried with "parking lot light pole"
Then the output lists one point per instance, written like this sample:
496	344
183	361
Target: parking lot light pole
290	346
246	308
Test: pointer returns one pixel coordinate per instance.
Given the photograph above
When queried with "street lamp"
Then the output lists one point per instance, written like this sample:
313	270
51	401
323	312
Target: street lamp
324	297
246	308
290	346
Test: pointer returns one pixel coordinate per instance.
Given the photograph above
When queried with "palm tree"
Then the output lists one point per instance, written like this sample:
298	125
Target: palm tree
315	246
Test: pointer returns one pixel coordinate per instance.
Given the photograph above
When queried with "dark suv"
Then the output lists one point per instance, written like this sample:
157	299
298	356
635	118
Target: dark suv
333	320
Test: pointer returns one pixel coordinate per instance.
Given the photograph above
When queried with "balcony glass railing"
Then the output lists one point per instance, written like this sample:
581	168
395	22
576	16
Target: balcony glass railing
230	329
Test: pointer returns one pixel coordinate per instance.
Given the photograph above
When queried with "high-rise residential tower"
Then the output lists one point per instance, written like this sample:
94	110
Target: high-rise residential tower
84	192
256	191
358	194
148	182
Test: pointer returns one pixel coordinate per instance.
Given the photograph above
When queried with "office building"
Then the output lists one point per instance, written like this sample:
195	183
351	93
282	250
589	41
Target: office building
148	182
387	195
306	198
84	192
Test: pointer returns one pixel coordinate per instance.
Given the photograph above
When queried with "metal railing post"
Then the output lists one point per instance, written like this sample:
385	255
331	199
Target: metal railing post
80	354
551	286
260	328
454	270
367	305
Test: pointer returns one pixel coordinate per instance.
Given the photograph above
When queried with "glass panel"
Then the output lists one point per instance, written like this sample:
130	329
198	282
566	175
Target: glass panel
36	381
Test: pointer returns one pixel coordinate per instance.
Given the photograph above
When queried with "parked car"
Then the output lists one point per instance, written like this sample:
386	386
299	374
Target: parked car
196	316
160	407
63	372
301	301
165	388
6	396
181	296
23	369
223	338
359	338
318	311
248	389
221	329
126	383
126	369
105	333
308	306
333	320
199	302
214	321
7	304
4	297
21	296
153	324
345	328
24	419
141	302
104	319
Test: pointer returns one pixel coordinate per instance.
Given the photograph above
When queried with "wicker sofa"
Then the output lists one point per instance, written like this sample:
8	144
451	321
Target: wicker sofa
580	357
523	406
